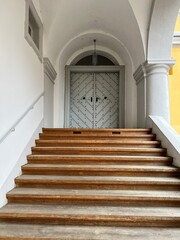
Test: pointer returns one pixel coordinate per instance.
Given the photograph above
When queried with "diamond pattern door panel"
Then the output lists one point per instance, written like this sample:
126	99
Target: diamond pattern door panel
107	100
81	100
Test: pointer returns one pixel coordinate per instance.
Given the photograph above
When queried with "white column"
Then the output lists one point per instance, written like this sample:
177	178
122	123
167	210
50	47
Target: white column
152	78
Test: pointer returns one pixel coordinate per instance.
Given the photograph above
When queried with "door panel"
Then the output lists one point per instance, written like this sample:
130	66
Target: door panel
94	100
81	104
107	100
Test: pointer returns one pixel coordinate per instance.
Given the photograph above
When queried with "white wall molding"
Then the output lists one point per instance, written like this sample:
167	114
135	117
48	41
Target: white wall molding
140	74
49	70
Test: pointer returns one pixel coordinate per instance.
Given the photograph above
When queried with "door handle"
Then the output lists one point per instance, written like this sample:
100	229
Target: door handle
91	99
97	99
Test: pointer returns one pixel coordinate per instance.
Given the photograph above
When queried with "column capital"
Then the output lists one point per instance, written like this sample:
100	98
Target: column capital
49	69
158	66
151	67
168	62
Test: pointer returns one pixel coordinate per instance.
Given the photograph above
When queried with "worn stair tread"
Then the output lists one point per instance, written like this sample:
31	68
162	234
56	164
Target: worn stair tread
96	142
99	157
100	170
45	178
99	150
92	197
92	193
97	129
130	134
56	209
107	167
10	231
58	136
111	149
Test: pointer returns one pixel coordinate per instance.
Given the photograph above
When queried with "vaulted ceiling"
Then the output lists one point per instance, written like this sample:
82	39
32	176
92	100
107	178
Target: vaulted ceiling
133	29
116	24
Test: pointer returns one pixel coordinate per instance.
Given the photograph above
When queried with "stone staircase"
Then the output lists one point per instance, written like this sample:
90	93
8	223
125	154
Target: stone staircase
94	184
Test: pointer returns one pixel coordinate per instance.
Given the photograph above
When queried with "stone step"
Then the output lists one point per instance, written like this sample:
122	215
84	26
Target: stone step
12	231
105	183
95	197
100	159
91	215
97	131
98	182
100	150
129	136
97	143
98	170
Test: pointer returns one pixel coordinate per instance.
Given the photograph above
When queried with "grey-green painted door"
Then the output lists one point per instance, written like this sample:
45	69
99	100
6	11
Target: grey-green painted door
94	100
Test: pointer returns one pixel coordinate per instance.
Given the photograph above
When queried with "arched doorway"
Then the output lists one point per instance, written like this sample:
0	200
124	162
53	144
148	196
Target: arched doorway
95	93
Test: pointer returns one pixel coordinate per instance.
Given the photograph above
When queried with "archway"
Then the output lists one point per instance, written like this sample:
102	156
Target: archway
155	87
95	95
108	46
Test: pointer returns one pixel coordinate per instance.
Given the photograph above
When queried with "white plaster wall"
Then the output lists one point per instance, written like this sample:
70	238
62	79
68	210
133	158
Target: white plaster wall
21	76
21	82
17	146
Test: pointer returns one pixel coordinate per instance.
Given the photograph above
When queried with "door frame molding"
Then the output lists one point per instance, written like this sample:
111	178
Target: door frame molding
94	69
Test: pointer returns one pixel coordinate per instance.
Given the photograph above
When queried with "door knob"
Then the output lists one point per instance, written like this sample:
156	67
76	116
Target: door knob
105	97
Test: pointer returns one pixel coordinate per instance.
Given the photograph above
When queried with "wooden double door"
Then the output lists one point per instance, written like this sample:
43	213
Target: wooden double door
94	100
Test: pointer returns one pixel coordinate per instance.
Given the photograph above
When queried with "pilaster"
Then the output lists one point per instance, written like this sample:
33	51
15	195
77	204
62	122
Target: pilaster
49	80
49	70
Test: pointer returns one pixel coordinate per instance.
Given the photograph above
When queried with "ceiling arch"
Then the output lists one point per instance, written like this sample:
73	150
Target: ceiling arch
161	30
64	20
83	43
